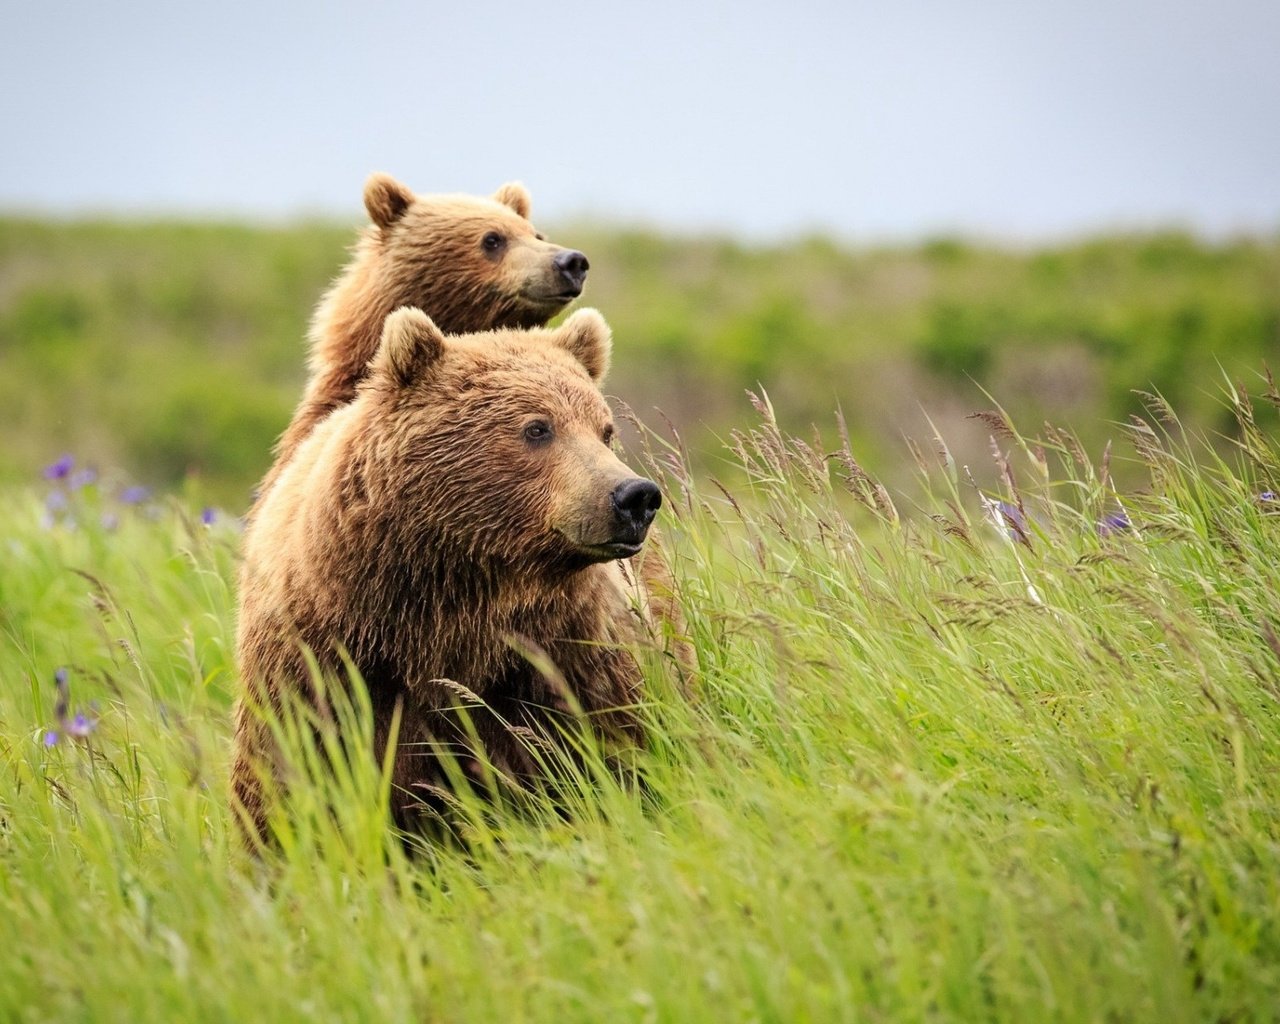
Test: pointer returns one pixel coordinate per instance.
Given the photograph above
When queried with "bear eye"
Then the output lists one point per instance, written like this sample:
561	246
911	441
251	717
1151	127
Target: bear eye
537	432
492	242
606	435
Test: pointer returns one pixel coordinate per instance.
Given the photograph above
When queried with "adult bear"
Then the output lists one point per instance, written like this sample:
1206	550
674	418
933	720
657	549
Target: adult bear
464	512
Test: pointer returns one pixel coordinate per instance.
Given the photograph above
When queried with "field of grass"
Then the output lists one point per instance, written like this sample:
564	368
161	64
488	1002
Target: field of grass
175	350
947	760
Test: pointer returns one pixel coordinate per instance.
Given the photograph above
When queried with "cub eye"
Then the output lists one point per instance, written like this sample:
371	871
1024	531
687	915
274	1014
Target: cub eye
492	242
538	432
607	434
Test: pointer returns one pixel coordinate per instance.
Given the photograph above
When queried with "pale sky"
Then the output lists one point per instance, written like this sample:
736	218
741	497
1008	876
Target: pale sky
861	120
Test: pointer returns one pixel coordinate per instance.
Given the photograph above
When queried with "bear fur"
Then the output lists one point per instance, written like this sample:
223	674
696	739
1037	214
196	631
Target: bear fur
471	263
457	517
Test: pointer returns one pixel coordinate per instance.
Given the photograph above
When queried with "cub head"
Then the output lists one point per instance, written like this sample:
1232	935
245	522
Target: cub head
502	443
475	263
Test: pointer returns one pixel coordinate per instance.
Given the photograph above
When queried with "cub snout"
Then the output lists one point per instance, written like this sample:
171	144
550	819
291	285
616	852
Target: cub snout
573	267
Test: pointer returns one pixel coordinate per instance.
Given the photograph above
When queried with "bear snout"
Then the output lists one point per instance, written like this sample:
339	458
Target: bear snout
573	267
635	502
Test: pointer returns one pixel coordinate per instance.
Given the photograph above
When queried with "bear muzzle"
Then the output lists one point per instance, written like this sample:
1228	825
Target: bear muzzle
573	267
634	503
556	276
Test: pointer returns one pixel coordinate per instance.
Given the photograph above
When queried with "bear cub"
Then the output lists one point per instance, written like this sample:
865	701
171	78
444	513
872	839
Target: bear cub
470	263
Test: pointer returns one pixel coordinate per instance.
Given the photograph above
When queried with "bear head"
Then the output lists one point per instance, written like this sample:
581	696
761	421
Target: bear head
475	263
499	445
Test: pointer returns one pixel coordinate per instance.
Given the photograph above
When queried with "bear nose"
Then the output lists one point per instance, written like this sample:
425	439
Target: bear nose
573	267
636	502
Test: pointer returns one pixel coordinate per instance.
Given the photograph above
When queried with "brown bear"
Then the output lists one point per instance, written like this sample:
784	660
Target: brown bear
461	520
472	264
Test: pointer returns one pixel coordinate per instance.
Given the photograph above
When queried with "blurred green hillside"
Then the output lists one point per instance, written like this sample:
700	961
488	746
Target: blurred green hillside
175	350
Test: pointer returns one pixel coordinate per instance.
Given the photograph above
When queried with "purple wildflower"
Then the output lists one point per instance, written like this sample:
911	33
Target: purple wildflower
1113	523
57	510
59	470
1267	496
208	515
55	501
78	726
63	703
1007	518
134	495
82	478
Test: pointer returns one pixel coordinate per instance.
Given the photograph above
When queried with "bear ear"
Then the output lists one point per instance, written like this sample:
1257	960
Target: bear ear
411	342
516	196
587	338
385	199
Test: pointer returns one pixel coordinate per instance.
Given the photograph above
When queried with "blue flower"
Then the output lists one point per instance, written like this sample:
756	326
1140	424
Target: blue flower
80	726
77	726
1007	518
56	501
208	515
82	478
1114	522
135	495
63	702
60	469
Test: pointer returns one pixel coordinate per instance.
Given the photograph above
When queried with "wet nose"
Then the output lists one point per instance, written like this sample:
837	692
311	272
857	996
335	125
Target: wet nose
636	502
573	267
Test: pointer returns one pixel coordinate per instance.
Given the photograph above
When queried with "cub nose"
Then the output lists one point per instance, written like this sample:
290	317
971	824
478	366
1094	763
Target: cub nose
636	501
573	267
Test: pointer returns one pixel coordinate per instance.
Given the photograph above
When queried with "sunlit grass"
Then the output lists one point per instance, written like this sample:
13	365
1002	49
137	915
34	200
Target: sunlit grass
945	760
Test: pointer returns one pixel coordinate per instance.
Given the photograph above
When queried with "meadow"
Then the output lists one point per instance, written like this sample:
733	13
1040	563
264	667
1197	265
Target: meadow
938	765
979	741
174	351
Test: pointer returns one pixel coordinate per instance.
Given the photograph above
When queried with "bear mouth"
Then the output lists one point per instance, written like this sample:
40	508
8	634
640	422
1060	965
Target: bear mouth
552	298
610	551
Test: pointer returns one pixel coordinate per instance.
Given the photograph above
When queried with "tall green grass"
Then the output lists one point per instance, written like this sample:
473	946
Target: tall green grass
946	759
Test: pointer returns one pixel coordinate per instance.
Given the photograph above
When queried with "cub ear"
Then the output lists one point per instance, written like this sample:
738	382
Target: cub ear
516	196
411	342
587	338
385	199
